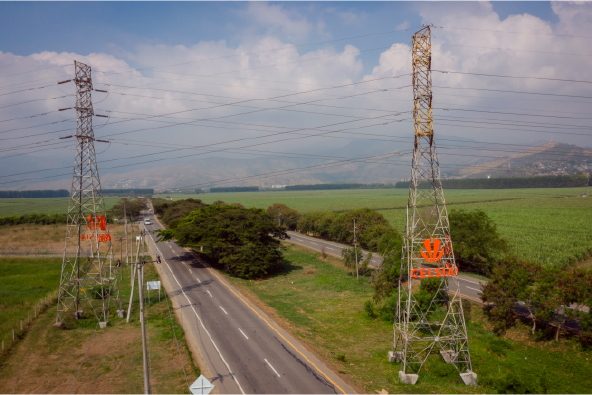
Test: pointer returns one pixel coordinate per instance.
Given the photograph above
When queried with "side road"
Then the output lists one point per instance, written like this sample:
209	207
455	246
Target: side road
242	349
470	287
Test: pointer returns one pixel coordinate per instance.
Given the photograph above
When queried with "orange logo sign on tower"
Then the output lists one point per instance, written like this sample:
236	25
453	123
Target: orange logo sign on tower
432	255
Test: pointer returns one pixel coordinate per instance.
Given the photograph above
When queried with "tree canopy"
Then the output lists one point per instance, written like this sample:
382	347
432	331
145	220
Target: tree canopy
242	242
288	216
133	208
172	212
475	239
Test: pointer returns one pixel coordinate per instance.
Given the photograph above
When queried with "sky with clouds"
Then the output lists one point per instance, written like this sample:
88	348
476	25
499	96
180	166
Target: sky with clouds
188	78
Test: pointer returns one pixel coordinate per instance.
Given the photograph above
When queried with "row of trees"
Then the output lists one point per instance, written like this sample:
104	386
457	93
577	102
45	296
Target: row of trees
40	219
131	208
235	189
371	226
546	294
129	191
35	194
564	181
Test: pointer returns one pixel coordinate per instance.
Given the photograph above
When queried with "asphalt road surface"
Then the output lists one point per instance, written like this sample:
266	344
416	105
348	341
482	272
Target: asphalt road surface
245	351
470	287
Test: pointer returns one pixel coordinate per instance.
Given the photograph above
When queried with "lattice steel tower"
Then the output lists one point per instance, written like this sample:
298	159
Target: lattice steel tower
438	325
88	281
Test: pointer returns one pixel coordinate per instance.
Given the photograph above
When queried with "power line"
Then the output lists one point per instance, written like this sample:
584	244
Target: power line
515	50
514	77
509	32
518	92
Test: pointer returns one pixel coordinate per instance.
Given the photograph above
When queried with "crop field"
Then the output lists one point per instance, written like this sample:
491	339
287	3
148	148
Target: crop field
20	206
551	226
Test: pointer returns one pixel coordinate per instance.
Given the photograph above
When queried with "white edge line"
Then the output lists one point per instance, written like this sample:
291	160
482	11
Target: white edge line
243	333
223	310
469	281
273	368
474	289
200	321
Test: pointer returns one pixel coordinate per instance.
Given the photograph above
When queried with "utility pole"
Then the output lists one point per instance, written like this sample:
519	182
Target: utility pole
126	242
90	272
356	252
440	327
140	267
133	276
121	254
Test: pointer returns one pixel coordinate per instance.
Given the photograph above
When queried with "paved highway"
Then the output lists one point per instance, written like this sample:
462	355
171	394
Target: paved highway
245	351
470	287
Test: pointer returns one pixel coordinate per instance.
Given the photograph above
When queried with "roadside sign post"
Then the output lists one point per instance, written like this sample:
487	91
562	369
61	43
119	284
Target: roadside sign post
153	285
201	386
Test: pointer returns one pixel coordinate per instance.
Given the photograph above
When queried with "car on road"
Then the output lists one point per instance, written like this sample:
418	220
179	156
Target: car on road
147	222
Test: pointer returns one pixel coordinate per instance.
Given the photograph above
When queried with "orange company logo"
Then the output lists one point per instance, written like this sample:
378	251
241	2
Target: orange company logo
445	271
102	237
435	254
99	222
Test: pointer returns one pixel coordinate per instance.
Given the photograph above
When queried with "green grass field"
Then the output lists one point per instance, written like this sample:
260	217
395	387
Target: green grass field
324	308
114	364
551	226
20	206
23	283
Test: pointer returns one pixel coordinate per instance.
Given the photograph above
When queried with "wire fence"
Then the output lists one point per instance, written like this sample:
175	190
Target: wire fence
20	326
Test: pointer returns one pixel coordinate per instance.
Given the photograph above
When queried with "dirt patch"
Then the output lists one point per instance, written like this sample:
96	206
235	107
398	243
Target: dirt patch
33	239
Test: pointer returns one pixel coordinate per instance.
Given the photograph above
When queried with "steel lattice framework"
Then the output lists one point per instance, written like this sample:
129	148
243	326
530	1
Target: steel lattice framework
438	326
88	281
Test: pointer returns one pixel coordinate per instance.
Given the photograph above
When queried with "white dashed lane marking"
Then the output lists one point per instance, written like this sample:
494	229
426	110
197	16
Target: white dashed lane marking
273	368
209	293
243	333
223	310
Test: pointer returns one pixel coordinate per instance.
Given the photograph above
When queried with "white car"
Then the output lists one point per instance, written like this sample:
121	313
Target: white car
146	222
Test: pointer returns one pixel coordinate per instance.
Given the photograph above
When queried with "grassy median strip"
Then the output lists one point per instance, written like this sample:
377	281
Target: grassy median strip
46	359
322	304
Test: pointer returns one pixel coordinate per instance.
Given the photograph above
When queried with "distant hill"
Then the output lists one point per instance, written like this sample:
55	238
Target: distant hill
360	161
546	159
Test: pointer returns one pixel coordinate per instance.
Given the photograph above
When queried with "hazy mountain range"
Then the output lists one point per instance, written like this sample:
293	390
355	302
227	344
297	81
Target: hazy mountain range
360	161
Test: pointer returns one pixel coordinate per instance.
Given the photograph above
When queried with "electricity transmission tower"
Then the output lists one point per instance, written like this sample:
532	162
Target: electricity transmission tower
438	326
89	279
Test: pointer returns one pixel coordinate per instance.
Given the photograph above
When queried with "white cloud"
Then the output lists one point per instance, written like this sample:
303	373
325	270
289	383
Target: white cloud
277	18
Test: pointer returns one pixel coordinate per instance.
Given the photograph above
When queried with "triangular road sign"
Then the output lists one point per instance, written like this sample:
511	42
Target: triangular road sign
201	386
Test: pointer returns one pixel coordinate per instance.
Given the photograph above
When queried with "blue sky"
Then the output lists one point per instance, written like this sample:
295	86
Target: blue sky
225	71
117	27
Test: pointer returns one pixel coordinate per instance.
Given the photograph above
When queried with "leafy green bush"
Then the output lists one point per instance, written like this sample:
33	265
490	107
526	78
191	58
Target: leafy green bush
172	212
475	239
242	242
